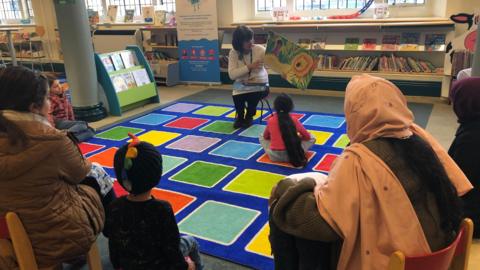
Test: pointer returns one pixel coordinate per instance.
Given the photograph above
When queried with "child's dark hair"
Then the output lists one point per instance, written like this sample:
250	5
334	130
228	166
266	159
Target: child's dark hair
241	34
51	78
20	88
283	104
144	172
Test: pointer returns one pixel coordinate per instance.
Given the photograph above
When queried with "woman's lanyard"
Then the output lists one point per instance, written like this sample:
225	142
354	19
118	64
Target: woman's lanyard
251	61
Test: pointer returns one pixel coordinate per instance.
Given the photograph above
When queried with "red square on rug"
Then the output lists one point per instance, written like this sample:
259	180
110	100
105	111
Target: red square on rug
87	148
187	123
325	164
297	116
265	159
178	200
104	158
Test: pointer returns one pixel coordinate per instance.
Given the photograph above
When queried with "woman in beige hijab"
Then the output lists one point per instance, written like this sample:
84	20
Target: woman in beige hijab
394	188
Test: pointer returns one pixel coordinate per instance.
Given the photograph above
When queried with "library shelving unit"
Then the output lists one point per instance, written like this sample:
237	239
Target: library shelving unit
163	42
334	34
129	85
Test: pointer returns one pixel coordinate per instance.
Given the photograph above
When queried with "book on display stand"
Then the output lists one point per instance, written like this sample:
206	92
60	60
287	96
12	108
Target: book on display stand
127	79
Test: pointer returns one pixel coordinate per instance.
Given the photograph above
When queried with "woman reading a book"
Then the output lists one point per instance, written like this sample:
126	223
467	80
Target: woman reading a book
394	188
245	66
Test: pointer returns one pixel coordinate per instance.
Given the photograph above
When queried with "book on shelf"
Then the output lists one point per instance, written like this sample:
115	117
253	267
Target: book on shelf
352	44
435	42
148	13
129	80
128	58
393	63
383	63
119	83
305	43
319	44
107	62
160	16
141	77
410	41
93	17
390	42
129	14
461	60
327	62
369	44
117	61
359	63
112	13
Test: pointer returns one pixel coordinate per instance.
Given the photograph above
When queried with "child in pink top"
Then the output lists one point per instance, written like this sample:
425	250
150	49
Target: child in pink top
285	139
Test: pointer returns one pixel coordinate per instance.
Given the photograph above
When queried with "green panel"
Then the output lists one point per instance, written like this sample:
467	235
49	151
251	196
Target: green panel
128	70
218	222
203	173
137	94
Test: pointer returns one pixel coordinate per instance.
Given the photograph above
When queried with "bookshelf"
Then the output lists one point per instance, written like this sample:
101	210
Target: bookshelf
334	33
162	52
126	79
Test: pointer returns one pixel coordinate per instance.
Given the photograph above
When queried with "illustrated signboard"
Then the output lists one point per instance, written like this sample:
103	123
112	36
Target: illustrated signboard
197	29
464	42
294	63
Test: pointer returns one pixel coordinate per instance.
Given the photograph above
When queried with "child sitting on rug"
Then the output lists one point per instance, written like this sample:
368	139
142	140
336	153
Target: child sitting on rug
61	112
142	230
285	139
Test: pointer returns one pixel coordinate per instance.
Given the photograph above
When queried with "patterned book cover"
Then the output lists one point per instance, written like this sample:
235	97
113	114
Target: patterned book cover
351	44
390	42
107	62
117	61
410	41
129	14
369	44
294	63
435	42
119	83
129	80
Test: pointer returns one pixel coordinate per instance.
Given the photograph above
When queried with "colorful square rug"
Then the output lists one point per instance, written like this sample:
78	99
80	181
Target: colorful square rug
218	178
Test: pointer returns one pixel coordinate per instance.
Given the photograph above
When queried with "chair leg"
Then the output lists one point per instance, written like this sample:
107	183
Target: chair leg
93	258
269	108
261	112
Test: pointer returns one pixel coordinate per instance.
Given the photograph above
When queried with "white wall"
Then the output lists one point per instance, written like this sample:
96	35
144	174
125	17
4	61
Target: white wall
225	12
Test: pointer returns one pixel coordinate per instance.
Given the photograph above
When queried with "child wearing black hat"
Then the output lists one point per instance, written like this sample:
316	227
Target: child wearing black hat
142	230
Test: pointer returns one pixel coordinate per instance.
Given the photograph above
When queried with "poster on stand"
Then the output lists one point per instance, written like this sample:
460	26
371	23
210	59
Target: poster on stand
198	44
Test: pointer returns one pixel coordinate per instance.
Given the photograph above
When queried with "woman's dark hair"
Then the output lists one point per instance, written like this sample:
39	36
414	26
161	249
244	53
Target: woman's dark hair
283	104
20	87
240	35
423	161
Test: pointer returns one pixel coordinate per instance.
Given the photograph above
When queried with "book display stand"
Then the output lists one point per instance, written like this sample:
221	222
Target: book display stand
127	79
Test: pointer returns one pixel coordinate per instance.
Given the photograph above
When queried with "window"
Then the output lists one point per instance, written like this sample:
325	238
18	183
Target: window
345	4
29	8
96	5
168	5
10	9
268	5
102	5
406	2
130	4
